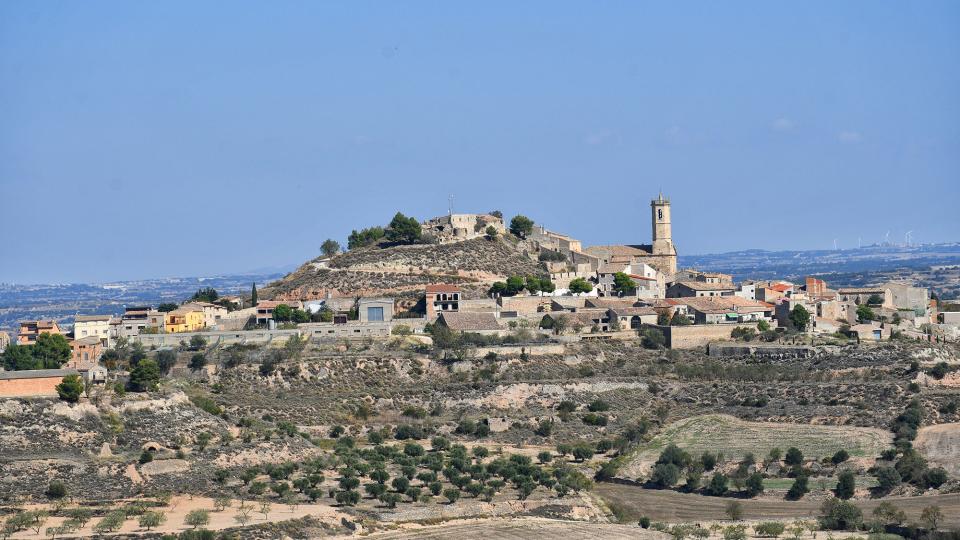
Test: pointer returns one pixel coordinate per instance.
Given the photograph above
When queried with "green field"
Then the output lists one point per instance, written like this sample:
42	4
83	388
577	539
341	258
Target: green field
735	438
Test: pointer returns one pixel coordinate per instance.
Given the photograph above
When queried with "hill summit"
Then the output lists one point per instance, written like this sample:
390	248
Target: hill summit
402	270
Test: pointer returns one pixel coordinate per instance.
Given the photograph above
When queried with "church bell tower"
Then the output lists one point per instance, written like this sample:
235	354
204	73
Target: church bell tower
662	236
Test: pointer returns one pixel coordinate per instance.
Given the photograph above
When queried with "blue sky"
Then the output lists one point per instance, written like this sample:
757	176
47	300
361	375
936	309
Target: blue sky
148	139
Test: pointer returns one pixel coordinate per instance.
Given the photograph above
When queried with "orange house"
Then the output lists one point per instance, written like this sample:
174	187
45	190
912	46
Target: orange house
29	330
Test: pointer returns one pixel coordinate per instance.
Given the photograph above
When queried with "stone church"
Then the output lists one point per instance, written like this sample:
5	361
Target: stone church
660	253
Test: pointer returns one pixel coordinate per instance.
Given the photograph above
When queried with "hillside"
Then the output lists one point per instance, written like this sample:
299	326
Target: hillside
403	269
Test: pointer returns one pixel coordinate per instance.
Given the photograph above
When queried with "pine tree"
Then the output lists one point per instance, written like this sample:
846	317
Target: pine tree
253	296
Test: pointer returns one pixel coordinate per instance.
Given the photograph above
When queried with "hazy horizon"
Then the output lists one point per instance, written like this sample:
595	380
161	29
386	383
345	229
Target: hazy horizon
178	139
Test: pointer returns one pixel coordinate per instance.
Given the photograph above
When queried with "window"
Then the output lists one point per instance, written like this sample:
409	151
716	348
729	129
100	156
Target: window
660	213
375	314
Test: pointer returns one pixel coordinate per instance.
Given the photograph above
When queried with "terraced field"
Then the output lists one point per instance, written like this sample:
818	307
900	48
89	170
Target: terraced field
941	446
735	437
673	507
521	529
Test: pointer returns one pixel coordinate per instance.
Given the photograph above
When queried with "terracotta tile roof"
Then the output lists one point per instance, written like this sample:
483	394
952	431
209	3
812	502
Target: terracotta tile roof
471	321
442	288
631	311
86	341
612	268
722	304
610	302
781	287
704	286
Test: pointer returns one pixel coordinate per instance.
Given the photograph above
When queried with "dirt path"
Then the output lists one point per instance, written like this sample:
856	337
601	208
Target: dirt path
671	506
180	506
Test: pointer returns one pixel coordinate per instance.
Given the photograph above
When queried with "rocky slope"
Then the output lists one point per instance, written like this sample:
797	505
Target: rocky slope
397	270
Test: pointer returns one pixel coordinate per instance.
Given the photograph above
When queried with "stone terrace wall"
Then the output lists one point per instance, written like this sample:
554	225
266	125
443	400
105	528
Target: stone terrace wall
699	335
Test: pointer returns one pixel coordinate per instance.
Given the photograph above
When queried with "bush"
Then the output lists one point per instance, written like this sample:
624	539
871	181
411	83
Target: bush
70	388
840	515
769	529
598	405
794	456
717	486
56	490
799	488
887	479
146	457
652	338
754	485
594	419
665	475
846	485
840	457
644	522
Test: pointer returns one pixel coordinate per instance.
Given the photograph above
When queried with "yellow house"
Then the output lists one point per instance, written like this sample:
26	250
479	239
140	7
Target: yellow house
184	319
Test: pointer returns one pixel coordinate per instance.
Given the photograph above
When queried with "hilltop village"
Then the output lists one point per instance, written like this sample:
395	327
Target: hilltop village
468	375
393	280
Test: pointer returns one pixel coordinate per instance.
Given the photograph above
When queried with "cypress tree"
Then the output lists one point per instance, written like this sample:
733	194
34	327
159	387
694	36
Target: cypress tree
253	295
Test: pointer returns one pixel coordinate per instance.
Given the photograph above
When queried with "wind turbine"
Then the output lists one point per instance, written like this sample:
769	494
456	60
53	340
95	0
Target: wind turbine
886	239
834	244
907	237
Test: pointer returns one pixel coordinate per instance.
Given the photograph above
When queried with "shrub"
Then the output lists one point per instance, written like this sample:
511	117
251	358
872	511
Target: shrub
452	494
56	490
652	338
197	518
840	515
665	475
70	388
593	419
769	529
799	488
734	510
644	522
840	457
598	405
887	479
717	486
754	485
846	485
794	456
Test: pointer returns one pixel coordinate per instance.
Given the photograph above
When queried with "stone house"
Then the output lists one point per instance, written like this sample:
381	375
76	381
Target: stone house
478	322
4	340
459	227
861	295
633	317
85	352
580	321
688	289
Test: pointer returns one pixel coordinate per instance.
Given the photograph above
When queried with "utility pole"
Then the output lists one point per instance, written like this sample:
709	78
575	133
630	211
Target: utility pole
450	206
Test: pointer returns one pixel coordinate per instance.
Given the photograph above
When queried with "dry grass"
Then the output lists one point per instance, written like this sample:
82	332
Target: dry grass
735	437
521	529
941	446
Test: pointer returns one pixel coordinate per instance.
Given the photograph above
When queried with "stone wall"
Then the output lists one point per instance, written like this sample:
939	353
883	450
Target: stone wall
763	350
698	335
